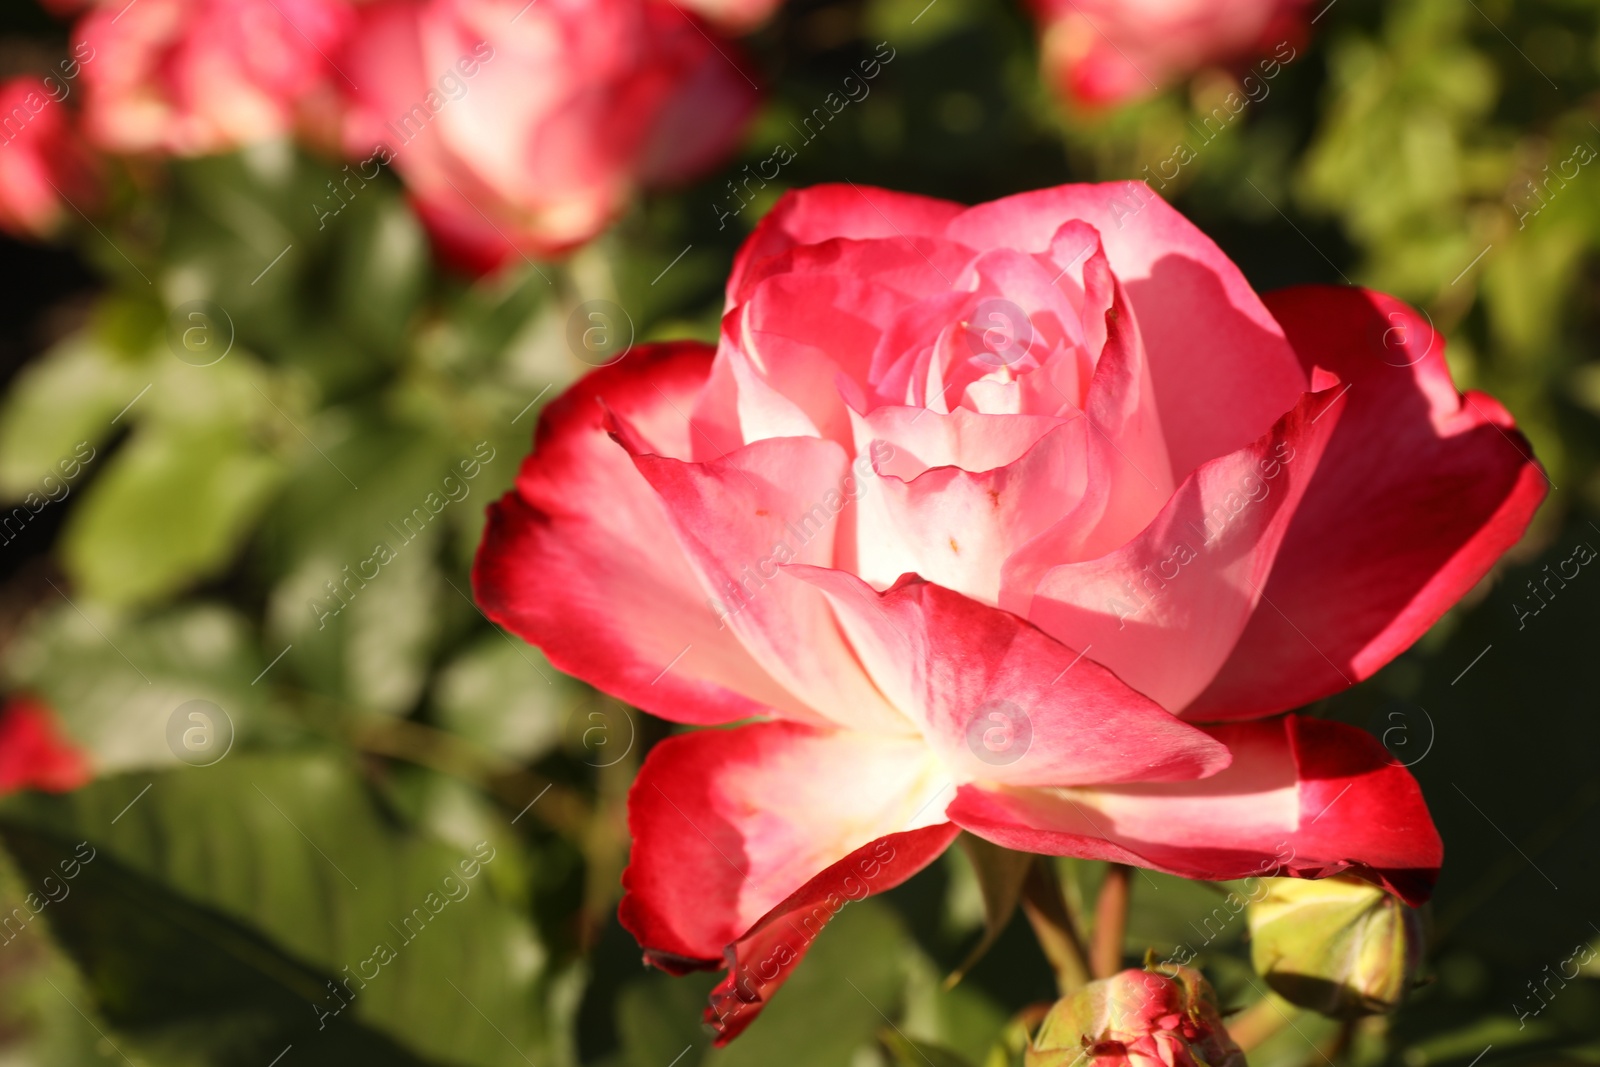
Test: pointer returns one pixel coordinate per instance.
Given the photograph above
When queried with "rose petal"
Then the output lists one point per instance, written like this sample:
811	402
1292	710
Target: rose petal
1165	609
738	520
820	212
1420	490
1221	368
958	528
574	561
1000	701
1303	797
763	959
727	824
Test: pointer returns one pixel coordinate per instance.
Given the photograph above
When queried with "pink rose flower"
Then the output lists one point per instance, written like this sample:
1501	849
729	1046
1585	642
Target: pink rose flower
524	130
192	77
1166	1017
1102	52
33	754
1029	519
45	167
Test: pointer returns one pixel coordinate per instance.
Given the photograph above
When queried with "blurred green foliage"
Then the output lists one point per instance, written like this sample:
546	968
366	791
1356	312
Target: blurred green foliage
382	728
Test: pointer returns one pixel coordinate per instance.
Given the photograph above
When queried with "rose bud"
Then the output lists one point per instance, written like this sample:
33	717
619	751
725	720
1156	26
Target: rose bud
1340	946
1143	1018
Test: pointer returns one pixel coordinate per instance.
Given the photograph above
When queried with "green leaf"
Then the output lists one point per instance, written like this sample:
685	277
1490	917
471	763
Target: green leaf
182	985
1000	873
963	1020
1177	915
396	469
56	414
115	684
41	991
658	1020
365	633
172	507
493	694
280	872
390	634
383	266
904	1052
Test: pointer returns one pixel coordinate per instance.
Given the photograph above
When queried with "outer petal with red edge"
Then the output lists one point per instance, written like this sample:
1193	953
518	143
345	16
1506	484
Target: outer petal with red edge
1420	490
573	559
743	838
763	959
965	670
1303	797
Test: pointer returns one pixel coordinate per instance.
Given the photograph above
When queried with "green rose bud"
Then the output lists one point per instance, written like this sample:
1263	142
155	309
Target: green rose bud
1161	1017
1340	946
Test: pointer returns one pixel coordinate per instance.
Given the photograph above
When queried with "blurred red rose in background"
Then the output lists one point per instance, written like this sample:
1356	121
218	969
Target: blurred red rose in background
191	77
1029	519
1101	52
523	130
33	753
46	171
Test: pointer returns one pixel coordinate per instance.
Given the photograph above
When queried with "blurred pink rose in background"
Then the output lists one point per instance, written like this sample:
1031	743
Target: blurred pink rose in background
43	161
523	130
1104	52
191	77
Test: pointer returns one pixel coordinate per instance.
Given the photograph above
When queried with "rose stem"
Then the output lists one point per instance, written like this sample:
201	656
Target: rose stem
1051	917
1110	920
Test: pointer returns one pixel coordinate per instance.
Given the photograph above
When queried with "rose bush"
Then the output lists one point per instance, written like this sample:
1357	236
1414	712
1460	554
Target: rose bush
523	130
1103	52
1030	519
192	77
